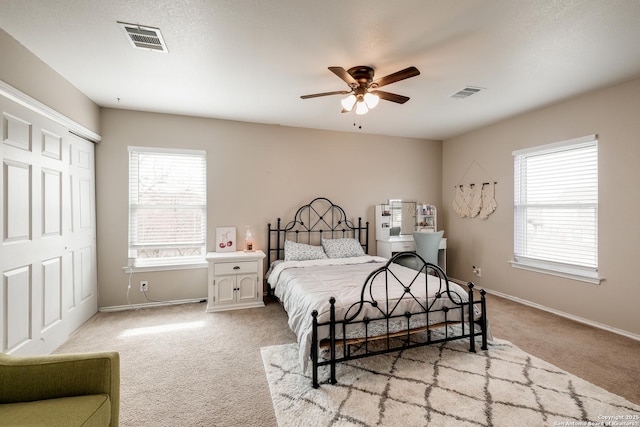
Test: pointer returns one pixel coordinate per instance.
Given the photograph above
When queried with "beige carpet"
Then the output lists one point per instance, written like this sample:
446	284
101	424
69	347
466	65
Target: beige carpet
443	385
181	366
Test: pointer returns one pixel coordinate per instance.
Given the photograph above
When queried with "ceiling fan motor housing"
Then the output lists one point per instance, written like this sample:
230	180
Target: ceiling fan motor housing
362	74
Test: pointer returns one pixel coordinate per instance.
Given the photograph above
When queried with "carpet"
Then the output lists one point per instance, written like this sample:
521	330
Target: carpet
441	385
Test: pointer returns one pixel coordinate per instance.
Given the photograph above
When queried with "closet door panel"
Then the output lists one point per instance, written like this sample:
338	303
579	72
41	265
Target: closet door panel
82	241
19	261
17	202
47	245
16	303
52	203
17	132
51	292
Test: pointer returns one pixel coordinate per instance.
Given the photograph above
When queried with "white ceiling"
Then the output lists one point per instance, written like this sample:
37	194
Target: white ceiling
250	60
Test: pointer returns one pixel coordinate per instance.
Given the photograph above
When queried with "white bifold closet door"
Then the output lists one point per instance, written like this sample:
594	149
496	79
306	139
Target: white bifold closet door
48	236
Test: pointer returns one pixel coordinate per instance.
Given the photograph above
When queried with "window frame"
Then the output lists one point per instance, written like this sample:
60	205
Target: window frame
136	263
570	270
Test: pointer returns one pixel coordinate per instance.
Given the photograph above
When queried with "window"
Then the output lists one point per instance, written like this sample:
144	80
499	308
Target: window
556	209
167	206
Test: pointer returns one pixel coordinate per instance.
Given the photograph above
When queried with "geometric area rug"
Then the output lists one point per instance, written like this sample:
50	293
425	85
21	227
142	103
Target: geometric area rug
441	385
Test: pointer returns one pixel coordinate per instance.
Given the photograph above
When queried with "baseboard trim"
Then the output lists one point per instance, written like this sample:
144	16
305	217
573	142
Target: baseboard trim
150	304
557	312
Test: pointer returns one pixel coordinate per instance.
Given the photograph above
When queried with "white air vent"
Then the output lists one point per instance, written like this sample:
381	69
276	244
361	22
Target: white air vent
142	37
466	92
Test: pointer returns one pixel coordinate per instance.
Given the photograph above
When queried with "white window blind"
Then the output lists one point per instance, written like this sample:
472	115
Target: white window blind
167	206
556	208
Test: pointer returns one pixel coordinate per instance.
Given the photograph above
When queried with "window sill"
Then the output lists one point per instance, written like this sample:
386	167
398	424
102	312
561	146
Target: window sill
166	267
559	271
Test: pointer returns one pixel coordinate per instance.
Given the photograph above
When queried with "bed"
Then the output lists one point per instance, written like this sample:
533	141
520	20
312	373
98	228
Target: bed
344	304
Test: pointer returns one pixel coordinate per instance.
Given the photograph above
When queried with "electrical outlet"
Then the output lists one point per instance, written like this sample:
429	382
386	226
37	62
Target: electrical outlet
477	271
144	285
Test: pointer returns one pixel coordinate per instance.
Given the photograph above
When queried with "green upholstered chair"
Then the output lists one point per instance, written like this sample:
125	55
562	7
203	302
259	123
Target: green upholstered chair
60	390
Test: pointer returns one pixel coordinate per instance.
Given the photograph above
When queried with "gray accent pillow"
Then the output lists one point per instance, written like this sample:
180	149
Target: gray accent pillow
302	252
342	248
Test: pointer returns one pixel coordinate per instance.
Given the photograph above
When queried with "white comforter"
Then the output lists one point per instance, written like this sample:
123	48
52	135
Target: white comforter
304	286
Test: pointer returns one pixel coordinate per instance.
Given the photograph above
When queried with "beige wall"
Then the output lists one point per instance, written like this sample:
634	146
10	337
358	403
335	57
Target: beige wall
25	72
255	173
613	114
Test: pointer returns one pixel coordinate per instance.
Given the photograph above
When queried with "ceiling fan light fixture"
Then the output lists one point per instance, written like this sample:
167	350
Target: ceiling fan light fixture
349	102
371	100
361	108
360	82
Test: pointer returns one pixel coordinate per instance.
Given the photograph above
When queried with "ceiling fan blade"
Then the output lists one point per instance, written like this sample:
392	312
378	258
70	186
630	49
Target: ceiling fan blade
315	95
396	77
342	73
400	99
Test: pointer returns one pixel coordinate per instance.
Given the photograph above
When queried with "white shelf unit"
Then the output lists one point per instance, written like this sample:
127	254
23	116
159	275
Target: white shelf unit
383	221
426	217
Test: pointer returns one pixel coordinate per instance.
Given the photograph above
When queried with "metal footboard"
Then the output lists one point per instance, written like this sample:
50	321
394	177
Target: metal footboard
390	329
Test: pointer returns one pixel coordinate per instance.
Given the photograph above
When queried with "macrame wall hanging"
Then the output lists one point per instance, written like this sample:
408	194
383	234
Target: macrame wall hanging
475	199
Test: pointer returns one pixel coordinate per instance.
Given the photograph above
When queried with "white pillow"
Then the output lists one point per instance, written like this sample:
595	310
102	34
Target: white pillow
342	248
302	252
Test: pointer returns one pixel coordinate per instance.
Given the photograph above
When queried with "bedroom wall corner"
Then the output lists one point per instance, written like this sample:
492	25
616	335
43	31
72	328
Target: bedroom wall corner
612	114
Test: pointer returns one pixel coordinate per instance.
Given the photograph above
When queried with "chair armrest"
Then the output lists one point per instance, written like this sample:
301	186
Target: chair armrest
31	378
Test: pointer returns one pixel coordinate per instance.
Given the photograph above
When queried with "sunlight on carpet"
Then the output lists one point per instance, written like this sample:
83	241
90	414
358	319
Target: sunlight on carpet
441	385
158	329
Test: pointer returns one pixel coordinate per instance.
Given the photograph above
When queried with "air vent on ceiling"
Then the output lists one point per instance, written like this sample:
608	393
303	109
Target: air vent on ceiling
466	92
142	37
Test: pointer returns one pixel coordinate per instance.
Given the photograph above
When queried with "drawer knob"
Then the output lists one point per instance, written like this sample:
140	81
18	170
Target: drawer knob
237	267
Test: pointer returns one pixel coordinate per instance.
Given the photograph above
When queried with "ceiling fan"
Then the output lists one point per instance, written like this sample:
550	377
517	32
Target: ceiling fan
364	94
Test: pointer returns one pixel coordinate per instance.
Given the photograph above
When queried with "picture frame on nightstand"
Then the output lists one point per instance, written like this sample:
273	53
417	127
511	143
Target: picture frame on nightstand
225	239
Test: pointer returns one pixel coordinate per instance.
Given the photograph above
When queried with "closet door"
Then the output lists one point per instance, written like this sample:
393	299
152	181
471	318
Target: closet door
81	301
47	250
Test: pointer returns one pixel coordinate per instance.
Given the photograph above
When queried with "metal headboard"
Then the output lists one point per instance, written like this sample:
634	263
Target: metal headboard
312	222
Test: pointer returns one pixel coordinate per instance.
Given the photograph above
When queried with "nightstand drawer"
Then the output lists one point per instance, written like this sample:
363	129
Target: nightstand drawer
241	267
402	246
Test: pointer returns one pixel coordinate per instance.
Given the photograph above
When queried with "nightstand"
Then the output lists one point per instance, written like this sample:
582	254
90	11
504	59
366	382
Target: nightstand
235	280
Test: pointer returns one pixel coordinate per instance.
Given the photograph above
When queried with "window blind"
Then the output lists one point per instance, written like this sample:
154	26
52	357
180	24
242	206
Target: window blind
167	206
556	207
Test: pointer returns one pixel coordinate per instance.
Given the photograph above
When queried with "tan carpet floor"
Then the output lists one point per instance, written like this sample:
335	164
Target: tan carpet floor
183	366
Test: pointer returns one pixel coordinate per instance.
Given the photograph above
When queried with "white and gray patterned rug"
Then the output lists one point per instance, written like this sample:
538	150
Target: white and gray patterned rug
441	385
